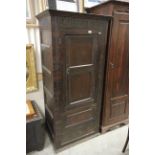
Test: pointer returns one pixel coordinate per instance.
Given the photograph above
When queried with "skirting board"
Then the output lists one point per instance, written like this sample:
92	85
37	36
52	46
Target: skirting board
112	126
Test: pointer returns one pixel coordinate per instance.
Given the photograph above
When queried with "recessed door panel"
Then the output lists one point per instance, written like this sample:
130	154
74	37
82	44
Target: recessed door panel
80	87
80	116
80	50
81	63
118	106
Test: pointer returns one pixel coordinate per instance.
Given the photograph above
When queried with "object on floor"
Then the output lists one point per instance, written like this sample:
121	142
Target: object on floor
30	112
31	75
73	49
116	94
34	130
126	142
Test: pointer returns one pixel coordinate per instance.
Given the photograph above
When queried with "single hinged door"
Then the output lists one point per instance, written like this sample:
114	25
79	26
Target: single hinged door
118	70
84	52
81	56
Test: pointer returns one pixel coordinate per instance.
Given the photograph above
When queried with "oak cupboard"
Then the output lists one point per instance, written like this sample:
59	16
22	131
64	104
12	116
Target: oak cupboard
116	90
73	48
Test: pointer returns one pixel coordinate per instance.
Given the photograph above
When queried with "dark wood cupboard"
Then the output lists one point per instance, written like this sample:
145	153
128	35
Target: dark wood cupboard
116	91
73	49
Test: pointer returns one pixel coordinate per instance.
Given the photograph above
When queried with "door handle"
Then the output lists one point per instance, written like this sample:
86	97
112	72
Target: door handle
112	65
67	70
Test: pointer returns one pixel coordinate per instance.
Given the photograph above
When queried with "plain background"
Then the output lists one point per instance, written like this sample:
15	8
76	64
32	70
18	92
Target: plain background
13	82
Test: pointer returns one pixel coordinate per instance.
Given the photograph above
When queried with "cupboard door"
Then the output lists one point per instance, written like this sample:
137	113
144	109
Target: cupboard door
77	66
81	73
78	60
117	93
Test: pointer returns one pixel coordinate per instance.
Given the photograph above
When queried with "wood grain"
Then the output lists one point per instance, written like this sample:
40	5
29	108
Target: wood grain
73	49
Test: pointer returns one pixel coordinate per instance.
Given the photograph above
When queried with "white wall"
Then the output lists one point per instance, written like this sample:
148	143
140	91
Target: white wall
33	37
66	6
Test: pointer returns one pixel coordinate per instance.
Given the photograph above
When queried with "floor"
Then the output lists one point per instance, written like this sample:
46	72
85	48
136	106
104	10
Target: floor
110	143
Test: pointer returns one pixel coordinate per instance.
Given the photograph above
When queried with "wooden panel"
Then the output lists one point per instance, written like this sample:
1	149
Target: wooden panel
46	56
118	70
118	106
79	117
119	8
48	79
77	132
81	68
80	86
116	95
120	39
50	119
101	9
45	37
119	79
119	63
45	23
80	50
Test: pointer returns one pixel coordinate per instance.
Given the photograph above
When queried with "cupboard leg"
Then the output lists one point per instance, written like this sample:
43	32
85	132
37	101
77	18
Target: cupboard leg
126	142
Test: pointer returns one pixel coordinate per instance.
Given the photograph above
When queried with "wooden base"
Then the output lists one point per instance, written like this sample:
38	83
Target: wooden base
58	150
62	148
107	128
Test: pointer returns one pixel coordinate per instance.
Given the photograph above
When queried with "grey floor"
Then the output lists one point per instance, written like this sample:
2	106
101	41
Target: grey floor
110	143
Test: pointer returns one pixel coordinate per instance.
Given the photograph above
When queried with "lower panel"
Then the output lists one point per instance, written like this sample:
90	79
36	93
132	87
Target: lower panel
50	122
74	125
71	134
118	106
